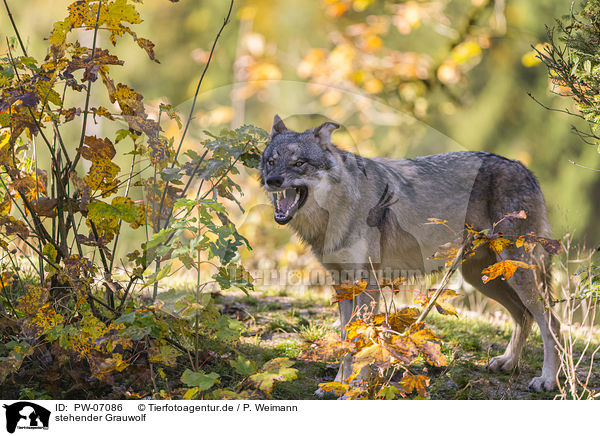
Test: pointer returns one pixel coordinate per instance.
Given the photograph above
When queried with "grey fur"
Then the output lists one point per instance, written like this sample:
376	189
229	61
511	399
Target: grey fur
359	211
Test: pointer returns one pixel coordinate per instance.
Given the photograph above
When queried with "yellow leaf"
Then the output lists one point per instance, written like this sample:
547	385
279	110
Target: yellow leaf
355	328
412	382
498	244
337	388
504	268
398	321
347	291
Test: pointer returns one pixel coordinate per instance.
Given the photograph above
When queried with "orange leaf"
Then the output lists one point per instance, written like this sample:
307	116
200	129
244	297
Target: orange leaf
349	291
498	244
398	321
412	382
506	268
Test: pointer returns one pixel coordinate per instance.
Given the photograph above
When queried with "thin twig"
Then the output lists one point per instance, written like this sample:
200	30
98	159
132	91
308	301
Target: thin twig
189	118
445	279
14	26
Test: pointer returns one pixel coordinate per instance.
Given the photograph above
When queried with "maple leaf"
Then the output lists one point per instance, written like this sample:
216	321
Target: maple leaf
349	291
412	382
504	268
441	305
243	366
163	354
275	370
374	354
328	348
432	353
355	328
199	380
398	321
402	349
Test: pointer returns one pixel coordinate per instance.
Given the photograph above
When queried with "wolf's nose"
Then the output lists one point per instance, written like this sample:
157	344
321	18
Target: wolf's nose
274	182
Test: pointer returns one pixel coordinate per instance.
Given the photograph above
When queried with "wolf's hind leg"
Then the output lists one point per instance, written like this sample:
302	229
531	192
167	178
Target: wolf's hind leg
504	294
523	281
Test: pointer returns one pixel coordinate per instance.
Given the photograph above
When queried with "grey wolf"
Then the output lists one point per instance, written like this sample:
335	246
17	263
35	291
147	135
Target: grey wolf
361	215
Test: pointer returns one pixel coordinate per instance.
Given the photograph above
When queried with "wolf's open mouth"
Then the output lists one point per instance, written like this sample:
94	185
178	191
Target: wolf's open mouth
287	202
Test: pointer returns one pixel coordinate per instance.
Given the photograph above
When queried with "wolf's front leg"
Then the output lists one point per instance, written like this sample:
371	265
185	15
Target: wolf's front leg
349	309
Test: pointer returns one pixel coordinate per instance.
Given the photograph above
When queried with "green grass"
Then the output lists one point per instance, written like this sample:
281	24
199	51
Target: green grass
286	324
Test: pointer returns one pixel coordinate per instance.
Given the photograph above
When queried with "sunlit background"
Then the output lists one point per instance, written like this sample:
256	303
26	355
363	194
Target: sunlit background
404	78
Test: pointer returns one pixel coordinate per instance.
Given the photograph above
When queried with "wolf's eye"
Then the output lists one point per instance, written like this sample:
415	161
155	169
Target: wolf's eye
299	163
271	162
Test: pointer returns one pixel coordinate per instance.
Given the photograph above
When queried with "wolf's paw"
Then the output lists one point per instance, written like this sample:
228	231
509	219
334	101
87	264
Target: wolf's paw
503	363
539	384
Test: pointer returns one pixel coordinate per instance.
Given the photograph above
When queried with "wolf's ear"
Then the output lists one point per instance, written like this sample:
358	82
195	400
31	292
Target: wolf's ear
278	126
323	133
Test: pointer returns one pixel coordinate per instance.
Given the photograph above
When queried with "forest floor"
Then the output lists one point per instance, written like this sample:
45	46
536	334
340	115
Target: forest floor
285	324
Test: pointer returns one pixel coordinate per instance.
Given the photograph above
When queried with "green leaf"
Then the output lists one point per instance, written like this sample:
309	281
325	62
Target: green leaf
199	380
243	366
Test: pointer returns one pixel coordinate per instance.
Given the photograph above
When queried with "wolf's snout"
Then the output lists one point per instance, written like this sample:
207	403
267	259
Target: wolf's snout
274	181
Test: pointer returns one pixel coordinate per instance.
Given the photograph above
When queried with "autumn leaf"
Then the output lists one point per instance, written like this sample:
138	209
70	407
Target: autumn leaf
441	305
45	206
517	214
163	354
35	297
412	382
355	328
5	205
328	348
337	388
552	246
402	349
432	353
148	46
171	113
103	171
6	279
349	291
499	243
14	226
374	354
504	268
275	370
398	321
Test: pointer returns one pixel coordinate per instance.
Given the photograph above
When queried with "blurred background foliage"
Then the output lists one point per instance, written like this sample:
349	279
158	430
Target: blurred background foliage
404	78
